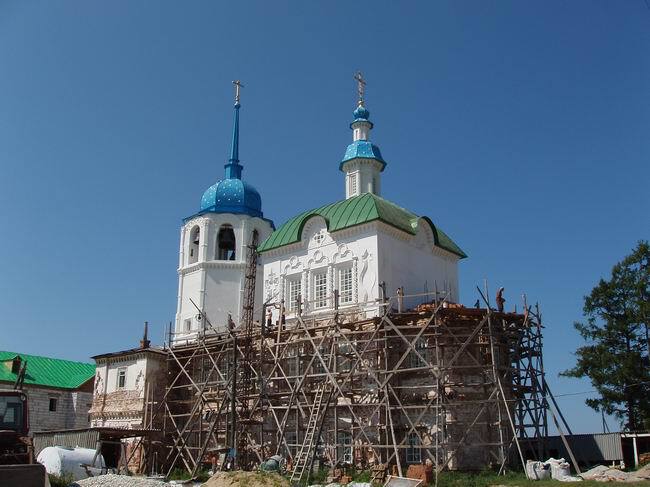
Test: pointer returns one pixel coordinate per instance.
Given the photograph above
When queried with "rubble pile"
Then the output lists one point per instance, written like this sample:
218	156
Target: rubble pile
249	479
112	480
602	473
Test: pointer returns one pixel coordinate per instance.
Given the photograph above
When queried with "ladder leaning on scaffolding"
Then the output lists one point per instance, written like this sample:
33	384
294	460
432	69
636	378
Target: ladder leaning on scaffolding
305	457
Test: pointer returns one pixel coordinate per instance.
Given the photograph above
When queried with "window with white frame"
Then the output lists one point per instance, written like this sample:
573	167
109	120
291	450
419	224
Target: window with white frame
413	452
352	181
293	291
346	292
121	378
320	289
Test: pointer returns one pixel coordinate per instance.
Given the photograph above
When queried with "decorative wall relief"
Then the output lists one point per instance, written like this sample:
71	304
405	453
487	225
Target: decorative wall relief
294	262
367	275
271	284
98	384
139	381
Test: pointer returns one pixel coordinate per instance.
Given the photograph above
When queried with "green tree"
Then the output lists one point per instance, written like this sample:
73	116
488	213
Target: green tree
615	356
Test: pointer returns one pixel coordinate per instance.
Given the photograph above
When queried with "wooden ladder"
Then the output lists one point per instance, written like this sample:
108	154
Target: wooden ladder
305	457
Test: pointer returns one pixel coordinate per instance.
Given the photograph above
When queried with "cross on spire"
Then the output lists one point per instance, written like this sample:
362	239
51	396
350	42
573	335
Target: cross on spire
361	86
238	85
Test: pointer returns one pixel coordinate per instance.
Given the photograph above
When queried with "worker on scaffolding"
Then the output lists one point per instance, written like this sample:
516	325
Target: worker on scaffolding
500	300
269	319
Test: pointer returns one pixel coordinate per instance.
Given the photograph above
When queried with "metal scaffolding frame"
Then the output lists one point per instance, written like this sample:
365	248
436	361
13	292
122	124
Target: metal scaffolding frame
458	386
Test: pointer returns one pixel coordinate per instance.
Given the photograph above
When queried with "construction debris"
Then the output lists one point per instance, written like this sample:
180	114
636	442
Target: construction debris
112	480
249	479
602	473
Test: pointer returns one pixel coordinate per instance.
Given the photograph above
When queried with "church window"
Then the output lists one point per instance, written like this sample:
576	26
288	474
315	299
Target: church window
422	349
224	369
226	243
292	369
352	181
188	324
52	405
345	447
345	357
413	452
319	237
346	294
121	378
195	239
320	289
294	290
317	364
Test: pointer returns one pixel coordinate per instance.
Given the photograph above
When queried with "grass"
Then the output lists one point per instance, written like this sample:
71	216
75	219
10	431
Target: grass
487	479
481	479
182	474
60	480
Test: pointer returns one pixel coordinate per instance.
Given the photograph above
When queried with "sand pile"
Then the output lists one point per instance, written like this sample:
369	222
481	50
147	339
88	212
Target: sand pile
246	479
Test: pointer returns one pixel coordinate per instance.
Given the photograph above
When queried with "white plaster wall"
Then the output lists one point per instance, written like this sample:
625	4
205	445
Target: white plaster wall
412	262
216	286
355	247
379	253
107	372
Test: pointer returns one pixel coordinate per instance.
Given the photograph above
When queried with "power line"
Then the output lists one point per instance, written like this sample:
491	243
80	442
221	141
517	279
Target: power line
594	390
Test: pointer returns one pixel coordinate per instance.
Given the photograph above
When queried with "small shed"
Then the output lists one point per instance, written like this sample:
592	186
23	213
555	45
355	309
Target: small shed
108	440
602	448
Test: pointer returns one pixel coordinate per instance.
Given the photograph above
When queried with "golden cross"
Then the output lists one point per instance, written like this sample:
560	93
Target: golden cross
238	85
361	86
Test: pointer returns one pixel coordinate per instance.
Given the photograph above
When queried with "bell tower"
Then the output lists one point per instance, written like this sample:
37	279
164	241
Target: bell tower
214	248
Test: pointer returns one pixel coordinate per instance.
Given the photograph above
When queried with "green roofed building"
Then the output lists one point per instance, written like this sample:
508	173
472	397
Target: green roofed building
358	251
60	392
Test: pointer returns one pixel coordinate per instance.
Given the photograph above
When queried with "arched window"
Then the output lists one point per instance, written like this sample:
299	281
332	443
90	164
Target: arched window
195	238
226	243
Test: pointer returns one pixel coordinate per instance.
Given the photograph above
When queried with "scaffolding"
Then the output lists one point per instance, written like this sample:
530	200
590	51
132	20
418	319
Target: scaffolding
392	387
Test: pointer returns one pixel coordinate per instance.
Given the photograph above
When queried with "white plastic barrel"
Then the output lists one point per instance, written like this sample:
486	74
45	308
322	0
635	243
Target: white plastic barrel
60	460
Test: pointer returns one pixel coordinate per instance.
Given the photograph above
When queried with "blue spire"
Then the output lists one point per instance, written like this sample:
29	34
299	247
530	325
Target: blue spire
233	168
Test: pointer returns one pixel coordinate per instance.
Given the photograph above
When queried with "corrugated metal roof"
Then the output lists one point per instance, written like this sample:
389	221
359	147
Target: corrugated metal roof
353	211
86	438
46	371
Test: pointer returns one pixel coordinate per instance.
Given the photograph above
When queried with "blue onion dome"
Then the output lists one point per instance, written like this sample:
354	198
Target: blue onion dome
361	113
232	196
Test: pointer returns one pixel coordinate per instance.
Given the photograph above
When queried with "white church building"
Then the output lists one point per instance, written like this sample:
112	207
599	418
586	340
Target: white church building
360	247
356	250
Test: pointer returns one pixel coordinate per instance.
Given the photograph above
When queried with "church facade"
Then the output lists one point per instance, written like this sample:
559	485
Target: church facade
359	250
350	253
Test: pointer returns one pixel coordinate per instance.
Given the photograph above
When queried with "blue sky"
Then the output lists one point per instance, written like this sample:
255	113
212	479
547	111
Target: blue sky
521	128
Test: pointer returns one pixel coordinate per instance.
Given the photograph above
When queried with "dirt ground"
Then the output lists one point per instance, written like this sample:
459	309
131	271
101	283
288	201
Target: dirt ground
246	479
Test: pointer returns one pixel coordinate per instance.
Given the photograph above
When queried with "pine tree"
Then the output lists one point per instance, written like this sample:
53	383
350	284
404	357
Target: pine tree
615	356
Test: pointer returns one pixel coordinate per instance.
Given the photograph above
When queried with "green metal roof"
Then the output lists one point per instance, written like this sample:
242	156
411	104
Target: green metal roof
353	211
45	371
